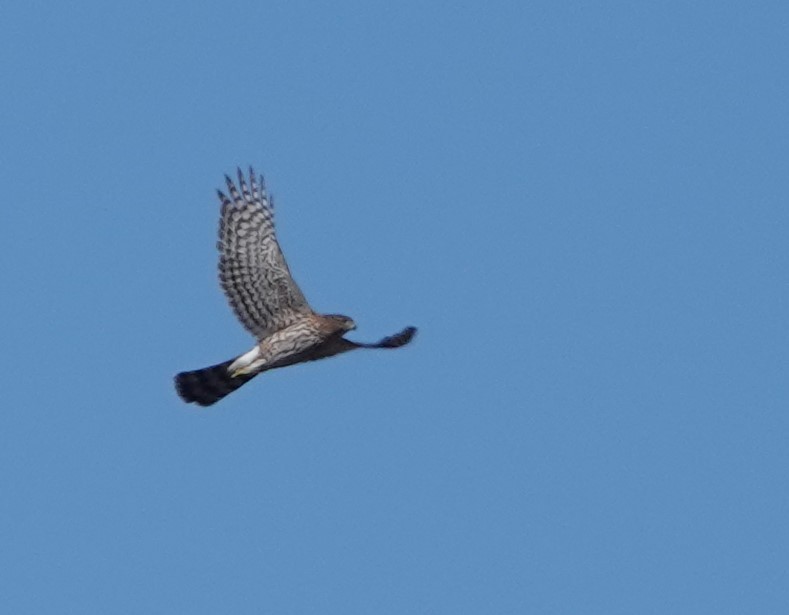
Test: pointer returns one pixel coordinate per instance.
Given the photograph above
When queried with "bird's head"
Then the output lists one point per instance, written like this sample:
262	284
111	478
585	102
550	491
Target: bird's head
344	322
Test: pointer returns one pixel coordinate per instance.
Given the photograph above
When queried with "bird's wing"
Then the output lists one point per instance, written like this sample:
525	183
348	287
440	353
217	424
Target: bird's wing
393	341
252	268
336	344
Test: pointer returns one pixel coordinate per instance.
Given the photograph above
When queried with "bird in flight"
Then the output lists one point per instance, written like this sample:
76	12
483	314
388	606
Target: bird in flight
268	302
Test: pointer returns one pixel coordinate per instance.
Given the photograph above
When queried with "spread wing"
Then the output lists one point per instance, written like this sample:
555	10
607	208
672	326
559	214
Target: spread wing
252	269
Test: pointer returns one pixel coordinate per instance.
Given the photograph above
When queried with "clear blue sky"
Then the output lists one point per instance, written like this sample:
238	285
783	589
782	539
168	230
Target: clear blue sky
584	207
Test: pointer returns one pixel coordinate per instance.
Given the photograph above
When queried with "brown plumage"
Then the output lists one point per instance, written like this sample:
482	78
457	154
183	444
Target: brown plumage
265	298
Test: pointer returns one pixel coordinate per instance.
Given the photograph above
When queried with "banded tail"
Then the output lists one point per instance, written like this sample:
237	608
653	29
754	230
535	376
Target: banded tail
208	385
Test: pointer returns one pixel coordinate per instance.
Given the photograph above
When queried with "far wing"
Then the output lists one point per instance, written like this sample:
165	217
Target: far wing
337	345
393	341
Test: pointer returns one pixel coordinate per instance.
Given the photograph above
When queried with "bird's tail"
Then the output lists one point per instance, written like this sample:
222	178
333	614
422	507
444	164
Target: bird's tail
208	385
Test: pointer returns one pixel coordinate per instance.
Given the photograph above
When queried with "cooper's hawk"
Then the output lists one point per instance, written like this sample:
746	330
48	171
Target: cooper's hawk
267	301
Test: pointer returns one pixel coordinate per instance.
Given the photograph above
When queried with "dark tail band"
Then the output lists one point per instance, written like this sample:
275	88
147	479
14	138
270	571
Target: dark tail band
208	385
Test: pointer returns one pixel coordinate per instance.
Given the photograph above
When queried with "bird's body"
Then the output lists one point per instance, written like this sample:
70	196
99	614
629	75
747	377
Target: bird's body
265	298
281	347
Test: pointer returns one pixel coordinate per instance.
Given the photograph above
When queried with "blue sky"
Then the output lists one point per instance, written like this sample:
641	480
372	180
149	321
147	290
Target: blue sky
582	206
